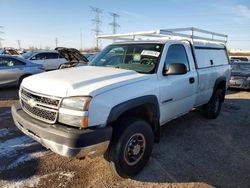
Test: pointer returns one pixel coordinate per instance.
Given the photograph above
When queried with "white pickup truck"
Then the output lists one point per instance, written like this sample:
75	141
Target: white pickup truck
117	105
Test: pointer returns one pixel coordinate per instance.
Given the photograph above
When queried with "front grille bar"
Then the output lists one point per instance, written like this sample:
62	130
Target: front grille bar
45	107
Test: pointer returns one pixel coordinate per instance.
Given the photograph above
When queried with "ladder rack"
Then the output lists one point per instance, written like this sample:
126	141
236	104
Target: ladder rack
187	33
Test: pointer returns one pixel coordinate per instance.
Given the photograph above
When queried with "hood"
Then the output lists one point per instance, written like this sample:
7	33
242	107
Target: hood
72	55
238	73
85	81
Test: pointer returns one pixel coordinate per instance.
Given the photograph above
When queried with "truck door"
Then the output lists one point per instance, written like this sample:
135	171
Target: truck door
177	92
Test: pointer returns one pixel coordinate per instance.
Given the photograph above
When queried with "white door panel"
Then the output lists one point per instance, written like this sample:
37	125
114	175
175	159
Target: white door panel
177	95
177	92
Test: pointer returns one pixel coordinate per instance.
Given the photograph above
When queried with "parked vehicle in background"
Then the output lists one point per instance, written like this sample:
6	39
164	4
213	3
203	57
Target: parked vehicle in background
14	69
51	60
9	51
238	59
240	75
90	56
73	56
117	105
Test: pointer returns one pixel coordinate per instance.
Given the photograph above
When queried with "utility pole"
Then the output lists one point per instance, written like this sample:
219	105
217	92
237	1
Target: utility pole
1	39
81	38
97	21
114	23
19	44
56	42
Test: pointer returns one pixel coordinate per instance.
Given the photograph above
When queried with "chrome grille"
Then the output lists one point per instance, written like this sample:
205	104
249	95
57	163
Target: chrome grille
44	108
41	99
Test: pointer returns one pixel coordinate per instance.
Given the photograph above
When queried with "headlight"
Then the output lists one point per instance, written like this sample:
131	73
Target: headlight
74	111
248	79
76	103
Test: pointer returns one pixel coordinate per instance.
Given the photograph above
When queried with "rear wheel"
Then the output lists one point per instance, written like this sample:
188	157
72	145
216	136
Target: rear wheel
130	147
213	107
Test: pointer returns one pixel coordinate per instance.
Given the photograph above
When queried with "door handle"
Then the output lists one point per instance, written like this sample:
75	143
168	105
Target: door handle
211	62
191	80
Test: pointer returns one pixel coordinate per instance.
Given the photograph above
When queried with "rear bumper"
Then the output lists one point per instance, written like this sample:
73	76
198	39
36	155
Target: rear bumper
242	84
63	140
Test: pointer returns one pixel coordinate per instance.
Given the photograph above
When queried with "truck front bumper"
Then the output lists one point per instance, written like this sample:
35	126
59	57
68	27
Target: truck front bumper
63	140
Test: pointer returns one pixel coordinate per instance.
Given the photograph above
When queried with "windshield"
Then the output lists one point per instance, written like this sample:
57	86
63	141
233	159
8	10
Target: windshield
27	55
141	58
245	67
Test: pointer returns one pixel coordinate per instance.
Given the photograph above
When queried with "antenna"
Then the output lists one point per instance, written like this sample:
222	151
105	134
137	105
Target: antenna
97	21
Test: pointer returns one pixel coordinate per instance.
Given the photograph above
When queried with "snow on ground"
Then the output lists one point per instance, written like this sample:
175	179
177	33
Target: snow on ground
34	180
14	150
25	158
10	147
4	132
30	182
5	115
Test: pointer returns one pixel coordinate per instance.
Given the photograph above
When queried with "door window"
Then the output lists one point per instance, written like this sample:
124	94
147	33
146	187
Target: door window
40	56
9	62
53	56
177	54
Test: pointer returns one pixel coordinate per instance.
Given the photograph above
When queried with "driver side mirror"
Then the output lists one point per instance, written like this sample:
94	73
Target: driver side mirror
175	69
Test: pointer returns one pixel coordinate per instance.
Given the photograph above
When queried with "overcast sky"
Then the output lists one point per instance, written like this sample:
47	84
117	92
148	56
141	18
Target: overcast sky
38	22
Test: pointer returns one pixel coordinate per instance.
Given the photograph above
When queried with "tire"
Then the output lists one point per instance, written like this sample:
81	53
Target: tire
213	107
130	147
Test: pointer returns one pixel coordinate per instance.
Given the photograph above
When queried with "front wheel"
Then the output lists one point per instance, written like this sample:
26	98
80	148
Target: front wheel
130	147
213	107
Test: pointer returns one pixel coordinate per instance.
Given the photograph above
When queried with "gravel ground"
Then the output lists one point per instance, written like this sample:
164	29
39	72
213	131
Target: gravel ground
193	152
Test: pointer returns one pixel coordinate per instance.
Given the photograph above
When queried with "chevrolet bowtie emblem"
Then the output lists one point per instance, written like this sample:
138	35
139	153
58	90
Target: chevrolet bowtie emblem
32	102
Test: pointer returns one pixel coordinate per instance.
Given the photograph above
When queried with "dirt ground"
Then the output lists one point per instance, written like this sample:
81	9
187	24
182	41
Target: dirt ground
193	152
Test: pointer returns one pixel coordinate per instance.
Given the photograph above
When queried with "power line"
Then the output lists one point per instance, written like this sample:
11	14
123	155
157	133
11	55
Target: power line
1	39
114	23
56	42
81	38
19	44
97	21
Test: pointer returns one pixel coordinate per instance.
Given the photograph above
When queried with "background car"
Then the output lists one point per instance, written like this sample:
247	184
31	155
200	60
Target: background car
238	59
73	56
14	69
90	56
51	60
9	51
240	75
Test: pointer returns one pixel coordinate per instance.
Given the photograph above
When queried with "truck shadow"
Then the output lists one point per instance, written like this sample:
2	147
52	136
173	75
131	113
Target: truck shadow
196	149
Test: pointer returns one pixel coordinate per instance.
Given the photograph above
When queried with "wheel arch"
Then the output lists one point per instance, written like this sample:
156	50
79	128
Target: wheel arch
145	107
220	83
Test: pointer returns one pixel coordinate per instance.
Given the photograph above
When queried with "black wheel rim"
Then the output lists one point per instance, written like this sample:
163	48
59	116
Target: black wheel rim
134	149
